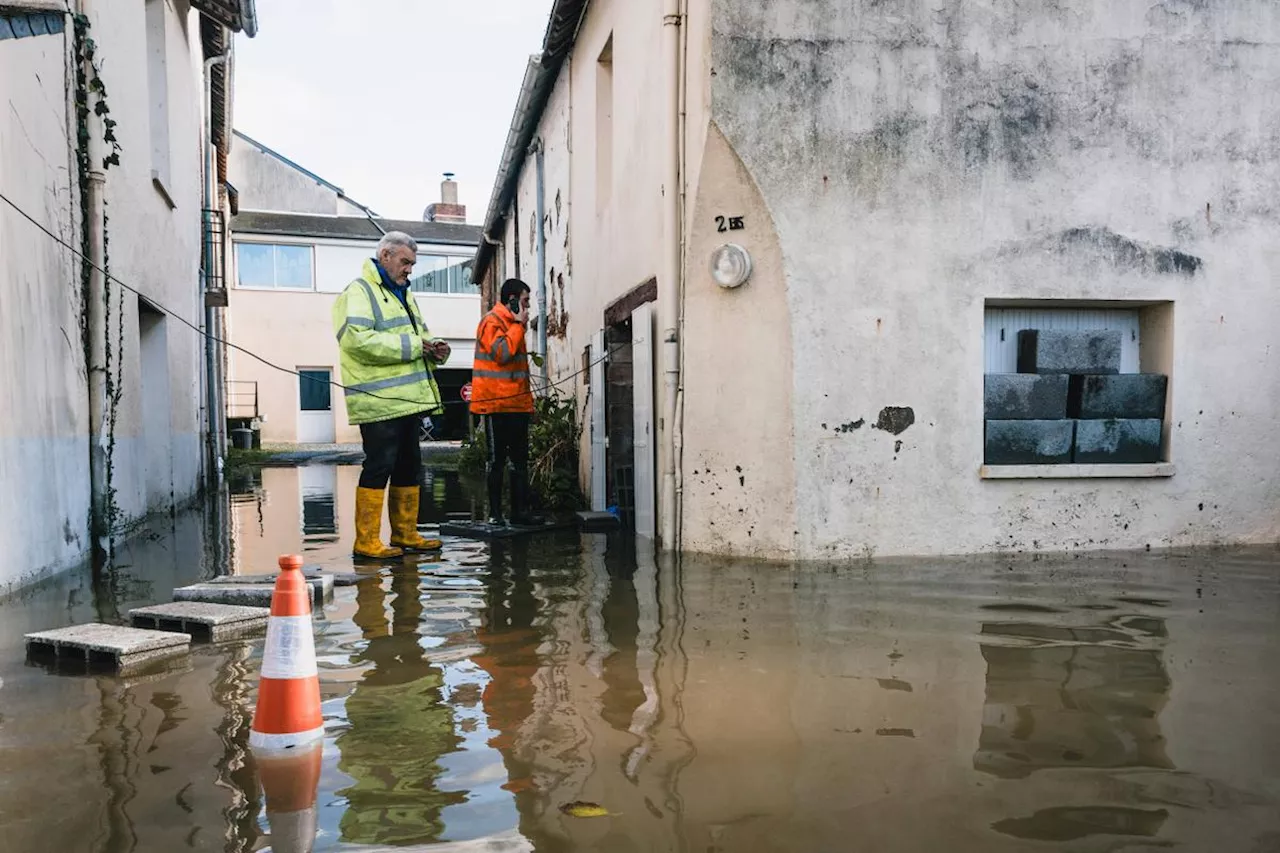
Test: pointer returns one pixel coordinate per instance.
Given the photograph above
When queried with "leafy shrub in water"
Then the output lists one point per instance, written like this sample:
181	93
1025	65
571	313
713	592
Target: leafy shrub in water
553	453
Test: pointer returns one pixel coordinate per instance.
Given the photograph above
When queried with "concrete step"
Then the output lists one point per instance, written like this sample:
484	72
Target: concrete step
108	646
202	620
251	590
598	521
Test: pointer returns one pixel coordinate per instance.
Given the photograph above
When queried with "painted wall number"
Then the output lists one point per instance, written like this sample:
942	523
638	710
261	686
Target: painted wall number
730	223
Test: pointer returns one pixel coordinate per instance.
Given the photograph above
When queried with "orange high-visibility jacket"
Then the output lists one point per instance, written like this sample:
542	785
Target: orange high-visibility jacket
500	380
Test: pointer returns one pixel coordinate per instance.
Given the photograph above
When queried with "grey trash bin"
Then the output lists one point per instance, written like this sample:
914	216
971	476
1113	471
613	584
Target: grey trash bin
242	439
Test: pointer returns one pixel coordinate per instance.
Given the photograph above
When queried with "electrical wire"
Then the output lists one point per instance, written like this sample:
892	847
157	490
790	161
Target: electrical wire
346	388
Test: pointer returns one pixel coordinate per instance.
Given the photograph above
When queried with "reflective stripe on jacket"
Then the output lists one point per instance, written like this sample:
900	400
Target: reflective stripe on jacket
500	378
381	352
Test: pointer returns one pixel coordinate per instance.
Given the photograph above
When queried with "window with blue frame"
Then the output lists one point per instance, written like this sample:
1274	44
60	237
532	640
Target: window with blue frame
15	24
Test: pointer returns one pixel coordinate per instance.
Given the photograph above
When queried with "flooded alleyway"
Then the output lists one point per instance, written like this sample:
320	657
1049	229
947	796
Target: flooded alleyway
1091	704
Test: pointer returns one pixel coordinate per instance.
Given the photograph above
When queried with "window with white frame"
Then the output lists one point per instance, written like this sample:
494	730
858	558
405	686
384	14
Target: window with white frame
274	266
1077	384
442	274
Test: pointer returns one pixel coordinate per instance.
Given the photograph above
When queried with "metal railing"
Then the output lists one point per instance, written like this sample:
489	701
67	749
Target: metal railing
242	399
213	261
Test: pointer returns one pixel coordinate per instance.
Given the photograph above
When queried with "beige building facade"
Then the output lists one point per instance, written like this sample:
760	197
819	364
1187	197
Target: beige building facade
912	190
298	241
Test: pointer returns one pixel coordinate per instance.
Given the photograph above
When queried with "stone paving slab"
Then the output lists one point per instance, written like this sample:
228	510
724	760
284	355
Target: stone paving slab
484	530
114	646
321	586
216	622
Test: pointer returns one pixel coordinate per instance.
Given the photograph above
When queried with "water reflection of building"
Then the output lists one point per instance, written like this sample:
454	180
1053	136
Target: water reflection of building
1073	697
509	638
292	511
399	724
580	677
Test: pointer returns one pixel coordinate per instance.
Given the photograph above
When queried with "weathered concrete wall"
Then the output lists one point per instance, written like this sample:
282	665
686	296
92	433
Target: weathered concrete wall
265	182
153	246
554	131
44	450
918	160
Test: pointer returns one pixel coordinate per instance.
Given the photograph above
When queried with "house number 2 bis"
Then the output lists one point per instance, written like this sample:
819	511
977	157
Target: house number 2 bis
729	223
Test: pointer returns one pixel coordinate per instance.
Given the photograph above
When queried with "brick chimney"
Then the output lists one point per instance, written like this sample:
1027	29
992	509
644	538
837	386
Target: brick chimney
447	209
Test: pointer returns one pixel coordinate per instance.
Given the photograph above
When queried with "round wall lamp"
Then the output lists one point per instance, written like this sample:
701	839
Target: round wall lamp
730	265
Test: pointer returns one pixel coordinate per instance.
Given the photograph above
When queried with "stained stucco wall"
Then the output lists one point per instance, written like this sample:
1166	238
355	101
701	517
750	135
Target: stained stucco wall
917	161
44	451
153	246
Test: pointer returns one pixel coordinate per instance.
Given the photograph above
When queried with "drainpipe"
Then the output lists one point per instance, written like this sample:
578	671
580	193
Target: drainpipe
669	279
538	150
99	499
212	316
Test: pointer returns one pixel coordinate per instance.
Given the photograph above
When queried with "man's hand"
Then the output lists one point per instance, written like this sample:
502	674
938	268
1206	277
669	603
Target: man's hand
437	350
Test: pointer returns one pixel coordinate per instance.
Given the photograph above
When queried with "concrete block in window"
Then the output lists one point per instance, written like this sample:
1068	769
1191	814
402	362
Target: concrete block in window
1128	395
1024	397
1029	442
1062	351
1118	441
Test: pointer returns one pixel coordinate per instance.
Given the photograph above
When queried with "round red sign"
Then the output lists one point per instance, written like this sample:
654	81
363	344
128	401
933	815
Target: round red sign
466	392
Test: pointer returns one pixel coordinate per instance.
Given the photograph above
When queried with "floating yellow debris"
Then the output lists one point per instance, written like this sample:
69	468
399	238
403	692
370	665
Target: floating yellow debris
581	809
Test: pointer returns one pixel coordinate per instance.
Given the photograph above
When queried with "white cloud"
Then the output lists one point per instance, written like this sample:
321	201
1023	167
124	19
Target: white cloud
383	96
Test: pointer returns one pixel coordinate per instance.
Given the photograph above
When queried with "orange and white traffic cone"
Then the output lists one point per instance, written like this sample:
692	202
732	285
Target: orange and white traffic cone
289	783
288	712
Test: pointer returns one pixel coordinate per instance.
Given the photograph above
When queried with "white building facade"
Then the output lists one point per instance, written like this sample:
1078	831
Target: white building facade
103	146
912	190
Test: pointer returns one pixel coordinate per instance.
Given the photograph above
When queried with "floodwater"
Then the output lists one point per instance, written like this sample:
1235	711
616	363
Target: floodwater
1093	704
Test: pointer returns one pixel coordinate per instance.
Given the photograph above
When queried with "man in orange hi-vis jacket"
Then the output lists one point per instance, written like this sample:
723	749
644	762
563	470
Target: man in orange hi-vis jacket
500	393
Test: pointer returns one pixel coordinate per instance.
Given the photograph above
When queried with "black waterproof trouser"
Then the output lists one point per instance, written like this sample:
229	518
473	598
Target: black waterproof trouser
508	439
391	452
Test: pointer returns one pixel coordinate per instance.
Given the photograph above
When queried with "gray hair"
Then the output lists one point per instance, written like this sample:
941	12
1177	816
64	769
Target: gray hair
395	240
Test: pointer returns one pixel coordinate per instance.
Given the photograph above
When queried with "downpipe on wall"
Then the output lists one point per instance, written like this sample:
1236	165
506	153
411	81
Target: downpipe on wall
95	369
212	315
539	151
669	280
682	135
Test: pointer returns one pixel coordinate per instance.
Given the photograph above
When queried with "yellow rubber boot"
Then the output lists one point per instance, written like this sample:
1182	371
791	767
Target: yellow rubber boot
369	527
402	509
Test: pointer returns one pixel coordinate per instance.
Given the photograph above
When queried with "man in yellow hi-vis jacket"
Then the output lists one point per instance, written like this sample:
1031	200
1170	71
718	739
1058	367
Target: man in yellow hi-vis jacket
388	358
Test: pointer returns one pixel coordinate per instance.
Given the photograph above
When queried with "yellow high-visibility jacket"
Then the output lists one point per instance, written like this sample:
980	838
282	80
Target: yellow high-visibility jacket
380	349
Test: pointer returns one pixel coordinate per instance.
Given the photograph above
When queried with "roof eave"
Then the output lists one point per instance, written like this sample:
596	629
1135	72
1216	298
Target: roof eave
563	25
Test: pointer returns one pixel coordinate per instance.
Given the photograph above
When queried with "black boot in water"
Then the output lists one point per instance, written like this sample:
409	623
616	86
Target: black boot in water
520	514
494	483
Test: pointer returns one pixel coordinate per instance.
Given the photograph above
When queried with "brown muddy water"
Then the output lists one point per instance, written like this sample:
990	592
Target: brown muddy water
1093	704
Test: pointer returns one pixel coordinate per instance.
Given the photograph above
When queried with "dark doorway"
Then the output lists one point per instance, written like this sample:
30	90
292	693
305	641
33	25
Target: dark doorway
619	418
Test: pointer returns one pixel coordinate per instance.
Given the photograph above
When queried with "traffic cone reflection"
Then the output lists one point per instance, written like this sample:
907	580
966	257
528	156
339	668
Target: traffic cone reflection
290	780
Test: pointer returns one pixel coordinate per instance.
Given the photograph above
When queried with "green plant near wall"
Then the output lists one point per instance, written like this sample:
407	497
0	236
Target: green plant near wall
553	453
90	96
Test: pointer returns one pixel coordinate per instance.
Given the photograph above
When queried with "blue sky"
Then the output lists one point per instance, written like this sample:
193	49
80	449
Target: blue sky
383	96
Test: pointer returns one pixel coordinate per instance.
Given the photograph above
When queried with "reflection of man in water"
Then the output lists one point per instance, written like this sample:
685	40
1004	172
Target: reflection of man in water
510	657
399	726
